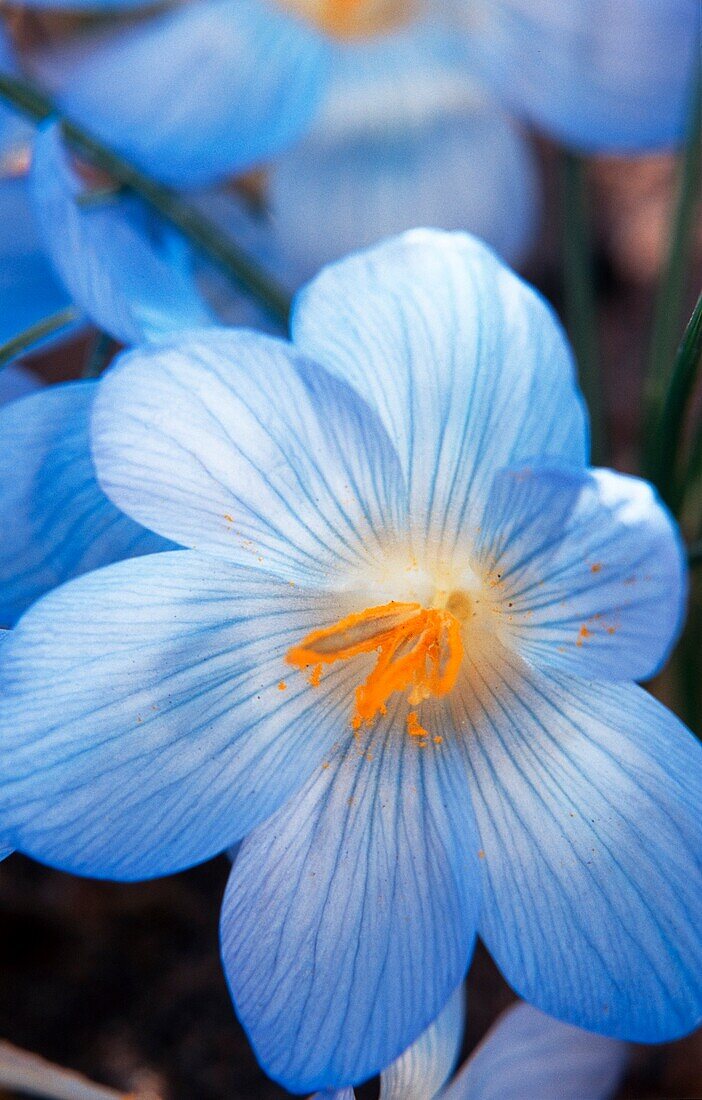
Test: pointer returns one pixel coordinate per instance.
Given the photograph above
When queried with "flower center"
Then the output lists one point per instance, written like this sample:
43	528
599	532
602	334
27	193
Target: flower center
419	651
351	18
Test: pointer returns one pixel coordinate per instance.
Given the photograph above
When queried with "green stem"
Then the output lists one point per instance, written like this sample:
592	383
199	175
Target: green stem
694	554
99	355
669	300
579	292
203	233
664	443
32	335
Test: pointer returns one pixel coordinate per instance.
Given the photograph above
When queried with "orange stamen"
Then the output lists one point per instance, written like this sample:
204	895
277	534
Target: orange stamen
419	651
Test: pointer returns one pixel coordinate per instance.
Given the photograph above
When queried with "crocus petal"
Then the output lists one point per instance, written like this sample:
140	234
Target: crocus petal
17	381
348	919
420	1072
29	290
192	118
404	142
603	75
56	521
587	798
146	721
466	366
588	570
273	455
530	1056
122	280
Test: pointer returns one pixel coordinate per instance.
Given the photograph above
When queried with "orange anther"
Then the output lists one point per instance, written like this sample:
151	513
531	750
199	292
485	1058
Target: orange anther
419	651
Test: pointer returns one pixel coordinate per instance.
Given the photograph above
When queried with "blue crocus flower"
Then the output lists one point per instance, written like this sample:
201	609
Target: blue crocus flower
526	1055
605	76
196	93
405	136
384	133
398	658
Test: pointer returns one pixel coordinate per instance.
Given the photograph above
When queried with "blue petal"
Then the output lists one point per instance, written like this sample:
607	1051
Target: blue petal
587	569
613	75
124	282
143	724
424	1068
56	521
175	94
587	798
466	366
17	381
29	290
404	142
274	455
529	1056
348	919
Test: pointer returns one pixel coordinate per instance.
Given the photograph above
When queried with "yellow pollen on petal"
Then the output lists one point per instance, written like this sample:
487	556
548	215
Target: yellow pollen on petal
419	652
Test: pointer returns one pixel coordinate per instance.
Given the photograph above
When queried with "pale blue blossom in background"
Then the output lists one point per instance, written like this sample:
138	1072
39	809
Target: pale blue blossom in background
604	76
196	93
405	137
404	483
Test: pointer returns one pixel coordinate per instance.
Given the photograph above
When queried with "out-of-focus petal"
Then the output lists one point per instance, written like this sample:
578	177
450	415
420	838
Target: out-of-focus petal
203	91
127	284
529	1056
602	75
29	289
406	139
56	521
348	919
17	381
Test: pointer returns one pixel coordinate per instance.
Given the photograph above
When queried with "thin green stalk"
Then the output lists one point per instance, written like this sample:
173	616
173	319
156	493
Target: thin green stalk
669	301
691	487
203	233
664	444
694	554
579	292
101	351
32	335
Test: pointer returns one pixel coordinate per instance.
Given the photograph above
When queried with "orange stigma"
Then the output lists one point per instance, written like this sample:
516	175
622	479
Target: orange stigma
419	651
